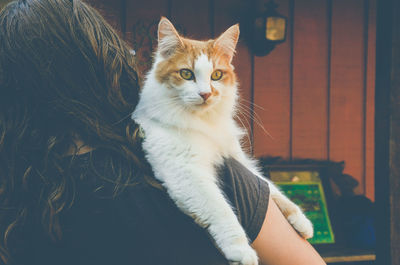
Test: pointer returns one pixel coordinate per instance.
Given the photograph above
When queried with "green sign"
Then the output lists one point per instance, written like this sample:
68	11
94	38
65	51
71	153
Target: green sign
310	197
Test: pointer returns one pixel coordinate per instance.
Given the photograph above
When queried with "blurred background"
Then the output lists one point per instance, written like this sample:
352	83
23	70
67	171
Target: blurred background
307	98
310	97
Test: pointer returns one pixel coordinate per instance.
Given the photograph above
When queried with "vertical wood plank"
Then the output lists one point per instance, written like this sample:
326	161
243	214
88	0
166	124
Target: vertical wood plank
300	130
272	95
193	17
347	87
370	104
310	75
225	15
111	10
141	28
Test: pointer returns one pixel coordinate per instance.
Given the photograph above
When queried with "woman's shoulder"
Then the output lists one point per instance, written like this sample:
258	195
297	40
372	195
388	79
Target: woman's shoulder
247	193
141	224
138	224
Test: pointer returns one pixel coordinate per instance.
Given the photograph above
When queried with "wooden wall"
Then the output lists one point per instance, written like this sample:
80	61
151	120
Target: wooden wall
313	95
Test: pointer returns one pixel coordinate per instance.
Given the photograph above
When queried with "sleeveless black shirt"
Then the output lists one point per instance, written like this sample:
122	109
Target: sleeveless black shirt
141	225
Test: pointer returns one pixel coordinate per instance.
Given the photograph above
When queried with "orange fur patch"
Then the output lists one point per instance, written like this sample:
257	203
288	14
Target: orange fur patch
167	72
214	92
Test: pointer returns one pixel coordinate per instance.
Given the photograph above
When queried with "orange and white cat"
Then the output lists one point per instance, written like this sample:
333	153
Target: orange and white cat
187	109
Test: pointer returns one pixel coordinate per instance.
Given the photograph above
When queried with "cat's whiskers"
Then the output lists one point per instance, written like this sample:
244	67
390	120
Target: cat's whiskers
244	127
137	109
160	102
244	110
156	111
155	104
252	103
256	118
185	141
258	121
122	119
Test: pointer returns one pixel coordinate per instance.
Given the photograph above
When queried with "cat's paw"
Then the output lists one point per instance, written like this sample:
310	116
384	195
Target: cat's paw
302	225
241	254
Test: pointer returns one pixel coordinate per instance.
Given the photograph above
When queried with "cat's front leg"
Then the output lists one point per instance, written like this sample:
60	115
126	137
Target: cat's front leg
289	209
293	213
190	179
203	200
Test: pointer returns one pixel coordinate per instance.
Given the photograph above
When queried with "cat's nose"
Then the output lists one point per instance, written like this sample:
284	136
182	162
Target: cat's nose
205	96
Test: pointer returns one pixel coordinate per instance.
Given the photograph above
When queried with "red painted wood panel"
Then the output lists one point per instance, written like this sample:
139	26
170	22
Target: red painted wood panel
347	87
330	85
310	75
225	15
272	95
370	104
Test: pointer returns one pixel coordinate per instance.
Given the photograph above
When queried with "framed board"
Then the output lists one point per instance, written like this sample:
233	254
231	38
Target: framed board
311	198
305	187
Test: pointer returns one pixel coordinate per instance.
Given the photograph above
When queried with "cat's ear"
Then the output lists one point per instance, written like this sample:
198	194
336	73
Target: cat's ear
226	43
168	38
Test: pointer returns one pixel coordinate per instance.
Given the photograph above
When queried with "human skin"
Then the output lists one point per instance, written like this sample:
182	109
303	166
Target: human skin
279	244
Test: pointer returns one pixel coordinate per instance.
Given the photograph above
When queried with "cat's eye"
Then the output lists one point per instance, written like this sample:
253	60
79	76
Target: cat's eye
216	75
186	74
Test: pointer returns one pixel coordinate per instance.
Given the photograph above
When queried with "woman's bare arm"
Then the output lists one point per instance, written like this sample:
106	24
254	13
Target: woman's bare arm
279	244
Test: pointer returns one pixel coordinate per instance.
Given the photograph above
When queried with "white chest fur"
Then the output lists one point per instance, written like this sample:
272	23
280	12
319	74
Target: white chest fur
186	138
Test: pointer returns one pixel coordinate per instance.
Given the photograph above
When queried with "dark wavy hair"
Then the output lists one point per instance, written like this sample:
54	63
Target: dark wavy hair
65	75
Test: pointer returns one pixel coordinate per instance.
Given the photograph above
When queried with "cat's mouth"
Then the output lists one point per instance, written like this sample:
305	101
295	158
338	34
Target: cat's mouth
205	105
199	103
205	102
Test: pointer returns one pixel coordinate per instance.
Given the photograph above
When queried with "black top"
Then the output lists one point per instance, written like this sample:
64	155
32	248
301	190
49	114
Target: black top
142	225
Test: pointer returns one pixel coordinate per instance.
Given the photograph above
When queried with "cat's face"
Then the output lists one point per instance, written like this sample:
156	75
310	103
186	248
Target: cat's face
198	74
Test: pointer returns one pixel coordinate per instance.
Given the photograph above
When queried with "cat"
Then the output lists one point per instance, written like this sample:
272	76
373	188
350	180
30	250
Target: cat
186	110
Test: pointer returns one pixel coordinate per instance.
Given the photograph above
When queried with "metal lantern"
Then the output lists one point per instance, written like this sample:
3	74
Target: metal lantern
269	29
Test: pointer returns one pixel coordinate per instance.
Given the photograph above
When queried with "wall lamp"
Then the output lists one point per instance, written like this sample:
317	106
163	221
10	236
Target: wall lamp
268	29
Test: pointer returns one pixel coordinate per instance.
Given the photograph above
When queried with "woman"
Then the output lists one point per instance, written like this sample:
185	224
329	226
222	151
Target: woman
75	188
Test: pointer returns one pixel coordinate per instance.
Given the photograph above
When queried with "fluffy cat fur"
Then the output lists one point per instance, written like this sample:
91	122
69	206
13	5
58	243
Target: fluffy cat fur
190	128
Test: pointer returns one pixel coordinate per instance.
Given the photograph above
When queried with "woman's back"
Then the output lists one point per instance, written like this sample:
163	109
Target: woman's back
139	224
75	187
65	78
